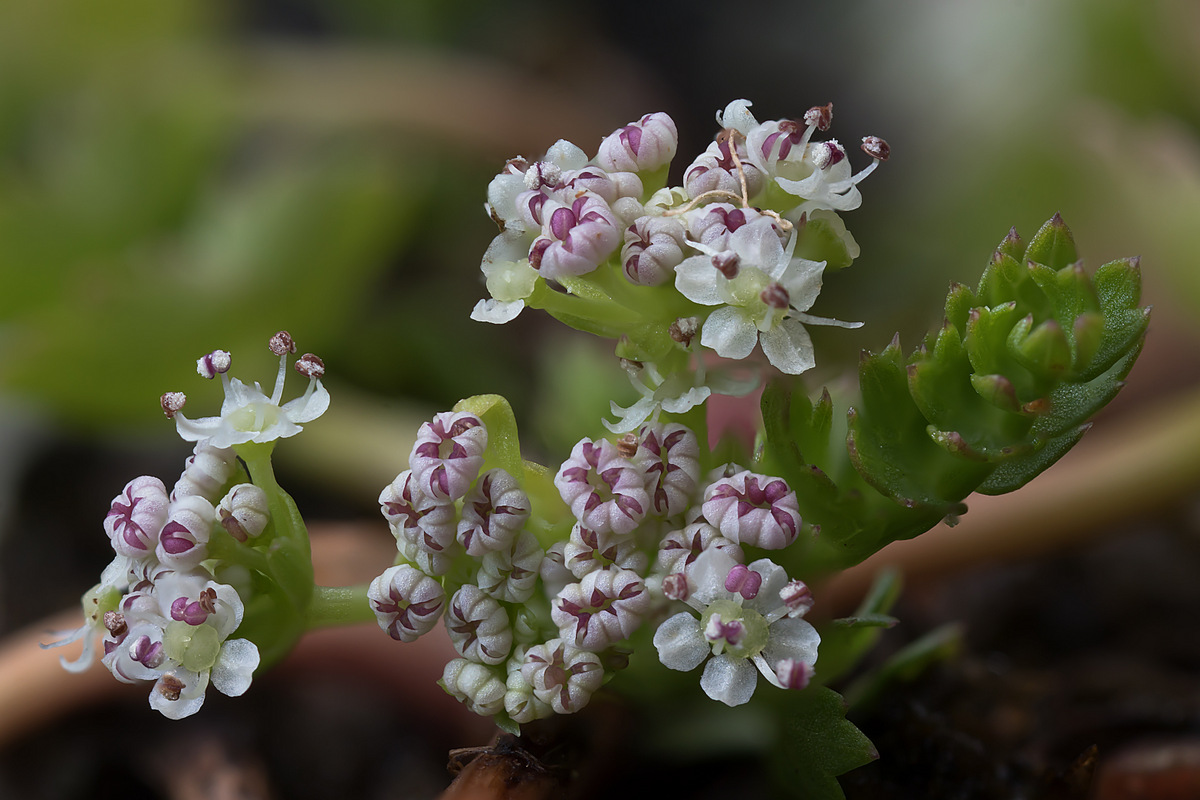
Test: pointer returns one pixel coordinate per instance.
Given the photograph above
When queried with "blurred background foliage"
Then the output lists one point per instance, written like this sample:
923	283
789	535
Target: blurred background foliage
180	175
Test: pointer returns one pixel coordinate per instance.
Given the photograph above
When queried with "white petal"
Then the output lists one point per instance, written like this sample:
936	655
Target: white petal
730	332
706	576
792	638
235	667
310	405
802	279
788	347
496	312
566	155
686	401
190	699
737	115
696	279
628	419
680	642
730	680
774	578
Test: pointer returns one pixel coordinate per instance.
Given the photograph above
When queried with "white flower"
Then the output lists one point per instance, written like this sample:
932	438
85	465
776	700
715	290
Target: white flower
763	293
248	415
745	623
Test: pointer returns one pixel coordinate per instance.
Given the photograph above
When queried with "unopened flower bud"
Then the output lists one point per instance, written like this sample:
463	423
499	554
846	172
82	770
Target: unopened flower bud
407	603
476	686
244	511
136	517
479	627
183	542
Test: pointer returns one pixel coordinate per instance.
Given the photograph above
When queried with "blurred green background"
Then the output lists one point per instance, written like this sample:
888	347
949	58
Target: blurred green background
181	175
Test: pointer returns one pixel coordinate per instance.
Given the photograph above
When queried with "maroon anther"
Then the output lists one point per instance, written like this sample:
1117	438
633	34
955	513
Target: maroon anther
172	403
282	343
170	687
310	366
684	329
115	623
821	116
876	147
727	264
776	296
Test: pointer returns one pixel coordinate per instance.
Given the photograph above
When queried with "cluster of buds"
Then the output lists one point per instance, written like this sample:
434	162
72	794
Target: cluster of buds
541	612
723	243
162	611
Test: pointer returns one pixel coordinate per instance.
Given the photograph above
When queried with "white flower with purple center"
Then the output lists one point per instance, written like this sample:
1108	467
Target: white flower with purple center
763	294
448	454
753	509
407	602
605	607
605	490
744	624
247	414
176	633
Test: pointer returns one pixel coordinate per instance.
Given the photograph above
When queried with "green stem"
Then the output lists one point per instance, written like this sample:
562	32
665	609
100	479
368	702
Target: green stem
339	605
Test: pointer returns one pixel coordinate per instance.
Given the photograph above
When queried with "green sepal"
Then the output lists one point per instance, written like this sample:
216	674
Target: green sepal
822	239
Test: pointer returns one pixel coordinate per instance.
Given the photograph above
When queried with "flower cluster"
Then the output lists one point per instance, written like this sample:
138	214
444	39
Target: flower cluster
157	614
541	613
717	254
167	605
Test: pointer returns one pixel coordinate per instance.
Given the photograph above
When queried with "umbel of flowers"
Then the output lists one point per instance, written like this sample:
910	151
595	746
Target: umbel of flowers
540	580
736	253
188	562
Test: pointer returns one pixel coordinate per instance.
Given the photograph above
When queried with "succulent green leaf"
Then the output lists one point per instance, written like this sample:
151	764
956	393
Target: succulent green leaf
1053	245
817	744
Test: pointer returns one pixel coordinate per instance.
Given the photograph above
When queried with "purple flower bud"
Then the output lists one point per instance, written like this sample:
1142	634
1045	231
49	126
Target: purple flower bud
753	509
640	146
654	246
578	233
609	186
407	603
605	607
510	574
605	491
448	454
479	626
588	551
493	513
680	548
183	542
670	454
244	511
566	677
136	517
206	472
424	527
715	170
475	685
215	363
